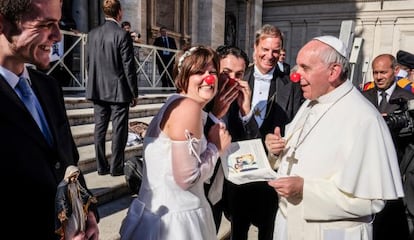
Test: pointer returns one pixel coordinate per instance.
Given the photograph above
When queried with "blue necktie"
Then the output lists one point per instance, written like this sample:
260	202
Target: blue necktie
33	105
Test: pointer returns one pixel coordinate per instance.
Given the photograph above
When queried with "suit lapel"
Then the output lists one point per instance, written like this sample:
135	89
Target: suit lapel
281	86
371	95
44	95
15	113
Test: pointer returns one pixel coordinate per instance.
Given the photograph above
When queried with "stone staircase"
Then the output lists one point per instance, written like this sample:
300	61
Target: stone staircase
113	194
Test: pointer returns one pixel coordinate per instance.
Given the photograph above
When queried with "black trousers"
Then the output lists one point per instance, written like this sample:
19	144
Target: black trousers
118	114
252	203
391	222
221	206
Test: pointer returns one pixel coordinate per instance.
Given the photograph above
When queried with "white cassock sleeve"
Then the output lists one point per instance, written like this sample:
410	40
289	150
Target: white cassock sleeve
323	201
188	165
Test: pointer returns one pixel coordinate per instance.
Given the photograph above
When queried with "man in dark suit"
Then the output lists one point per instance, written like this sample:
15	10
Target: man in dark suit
275	100
232	87
165	59
283	68
112	85
36	143
391	222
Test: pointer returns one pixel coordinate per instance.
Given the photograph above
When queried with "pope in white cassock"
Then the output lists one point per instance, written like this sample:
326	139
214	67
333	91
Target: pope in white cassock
337	162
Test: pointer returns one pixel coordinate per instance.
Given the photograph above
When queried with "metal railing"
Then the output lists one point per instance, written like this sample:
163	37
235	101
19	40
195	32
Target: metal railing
147	71
71	70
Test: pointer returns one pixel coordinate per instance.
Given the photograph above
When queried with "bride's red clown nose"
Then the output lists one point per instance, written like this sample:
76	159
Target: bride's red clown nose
210	79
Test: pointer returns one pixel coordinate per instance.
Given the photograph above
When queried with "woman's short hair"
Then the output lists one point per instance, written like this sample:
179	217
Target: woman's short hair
192	62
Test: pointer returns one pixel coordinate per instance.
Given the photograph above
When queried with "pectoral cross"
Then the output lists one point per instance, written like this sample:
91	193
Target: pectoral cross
291	160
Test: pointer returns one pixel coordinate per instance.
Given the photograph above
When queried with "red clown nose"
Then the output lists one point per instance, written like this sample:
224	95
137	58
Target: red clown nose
210	79
295	77
231	81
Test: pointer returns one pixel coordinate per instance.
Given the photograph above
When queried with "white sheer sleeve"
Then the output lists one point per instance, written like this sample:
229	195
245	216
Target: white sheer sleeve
188	165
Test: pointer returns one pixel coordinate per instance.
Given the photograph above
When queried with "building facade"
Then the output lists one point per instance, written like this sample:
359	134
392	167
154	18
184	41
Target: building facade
383	26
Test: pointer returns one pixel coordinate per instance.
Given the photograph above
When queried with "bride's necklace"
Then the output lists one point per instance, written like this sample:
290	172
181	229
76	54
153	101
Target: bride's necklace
292	159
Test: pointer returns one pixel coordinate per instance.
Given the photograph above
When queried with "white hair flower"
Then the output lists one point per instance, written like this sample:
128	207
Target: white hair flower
186	54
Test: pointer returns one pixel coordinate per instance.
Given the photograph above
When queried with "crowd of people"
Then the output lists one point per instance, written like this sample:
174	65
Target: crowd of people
344	169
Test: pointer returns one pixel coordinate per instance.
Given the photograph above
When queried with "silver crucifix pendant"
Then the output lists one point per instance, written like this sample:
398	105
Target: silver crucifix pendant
291	160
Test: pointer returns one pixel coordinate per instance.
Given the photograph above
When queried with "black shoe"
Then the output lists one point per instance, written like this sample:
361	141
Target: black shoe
114	174
104	172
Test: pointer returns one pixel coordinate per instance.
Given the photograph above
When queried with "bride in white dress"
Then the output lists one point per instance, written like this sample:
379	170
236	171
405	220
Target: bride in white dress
178	158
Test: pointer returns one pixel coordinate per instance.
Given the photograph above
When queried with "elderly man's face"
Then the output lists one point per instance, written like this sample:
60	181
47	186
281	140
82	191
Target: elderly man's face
316	75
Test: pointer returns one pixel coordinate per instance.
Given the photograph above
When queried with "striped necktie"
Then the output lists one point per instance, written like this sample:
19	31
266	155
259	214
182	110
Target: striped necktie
32	104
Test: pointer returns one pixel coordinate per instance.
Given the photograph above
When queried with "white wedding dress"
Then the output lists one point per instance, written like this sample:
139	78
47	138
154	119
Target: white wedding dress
184	214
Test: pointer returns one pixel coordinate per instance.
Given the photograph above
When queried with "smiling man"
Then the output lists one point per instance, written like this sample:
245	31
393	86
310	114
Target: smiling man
36	143
274	102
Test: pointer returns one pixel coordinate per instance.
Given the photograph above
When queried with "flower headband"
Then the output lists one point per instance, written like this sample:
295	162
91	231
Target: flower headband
186	54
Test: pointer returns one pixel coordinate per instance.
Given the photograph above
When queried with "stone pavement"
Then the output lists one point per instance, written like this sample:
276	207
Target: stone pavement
113	213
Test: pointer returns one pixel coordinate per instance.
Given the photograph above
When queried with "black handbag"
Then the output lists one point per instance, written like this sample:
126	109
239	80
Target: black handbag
133	173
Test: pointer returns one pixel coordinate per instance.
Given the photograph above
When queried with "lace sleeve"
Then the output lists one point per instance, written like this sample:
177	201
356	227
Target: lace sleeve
188	165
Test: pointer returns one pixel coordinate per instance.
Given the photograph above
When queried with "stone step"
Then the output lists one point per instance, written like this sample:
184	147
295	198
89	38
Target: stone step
87	159
83	134
85	115
106	188
82	102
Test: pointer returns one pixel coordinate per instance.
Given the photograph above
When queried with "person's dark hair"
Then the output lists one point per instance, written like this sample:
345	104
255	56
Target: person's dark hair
191	62
111	8
13	10
125	23
224	50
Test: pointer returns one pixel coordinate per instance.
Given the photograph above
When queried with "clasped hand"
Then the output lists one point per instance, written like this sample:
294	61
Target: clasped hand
219	136
288	187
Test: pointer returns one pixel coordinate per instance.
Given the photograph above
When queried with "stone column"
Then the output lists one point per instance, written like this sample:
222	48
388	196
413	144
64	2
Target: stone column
208	22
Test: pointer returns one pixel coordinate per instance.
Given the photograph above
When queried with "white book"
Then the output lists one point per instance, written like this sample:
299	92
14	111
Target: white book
246	161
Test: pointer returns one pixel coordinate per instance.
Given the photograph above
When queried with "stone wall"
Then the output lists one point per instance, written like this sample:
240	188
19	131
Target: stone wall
384	26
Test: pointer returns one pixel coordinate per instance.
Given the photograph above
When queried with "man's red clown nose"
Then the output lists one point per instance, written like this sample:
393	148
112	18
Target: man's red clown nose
295	77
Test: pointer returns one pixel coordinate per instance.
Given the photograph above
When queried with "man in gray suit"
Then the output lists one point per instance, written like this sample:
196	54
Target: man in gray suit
112	85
